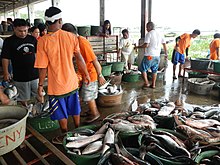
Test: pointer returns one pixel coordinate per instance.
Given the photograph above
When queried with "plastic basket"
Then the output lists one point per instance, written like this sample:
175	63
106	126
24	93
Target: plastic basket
201	89
43	124
200	63
106	70
117	66
130	77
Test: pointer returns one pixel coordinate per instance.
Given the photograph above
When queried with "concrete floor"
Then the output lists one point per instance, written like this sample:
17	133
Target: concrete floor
165	89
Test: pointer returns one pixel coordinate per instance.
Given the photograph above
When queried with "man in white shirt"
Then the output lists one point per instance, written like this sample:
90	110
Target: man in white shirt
151	60
126	46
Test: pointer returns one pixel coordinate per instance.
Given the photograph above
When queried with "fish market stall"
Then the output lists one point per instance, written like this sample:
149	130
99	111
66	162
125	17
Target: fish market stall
192	137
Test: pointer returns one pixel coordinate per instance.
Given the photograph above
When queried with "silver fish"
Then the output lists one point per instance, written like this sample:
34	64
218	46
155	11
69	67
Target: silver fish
167	109
83	142
93	147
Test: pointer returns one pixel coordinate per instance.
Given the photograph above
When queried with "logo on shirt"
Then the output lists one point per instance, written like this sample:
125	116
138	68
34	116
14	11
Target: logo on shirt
26	49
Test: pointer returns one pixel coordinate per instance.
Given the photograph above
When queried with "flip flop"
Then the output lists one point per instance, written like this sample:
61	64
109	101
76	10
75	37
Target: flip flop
145	86
58	140
151	86
92	118
85	114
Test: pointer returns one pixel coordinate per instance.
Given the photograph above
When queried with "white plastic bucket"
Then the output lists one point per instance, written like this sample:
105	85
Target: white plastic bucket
12	136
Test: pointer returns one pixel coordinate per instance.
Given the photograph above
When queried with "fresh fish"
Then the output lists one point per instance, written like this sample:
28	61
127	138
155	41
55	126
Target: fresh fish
118	159
9	92
109	136
109	139
76	137
144	120
211	112
125	126
103	128
93	147
171	146
215	132
83	142
7	122
167	109
158	150
105	85
177	140
202	123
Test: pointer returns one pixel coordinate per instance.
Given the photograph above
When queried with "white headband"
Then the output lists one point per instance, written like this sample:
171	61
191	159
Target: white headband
53	18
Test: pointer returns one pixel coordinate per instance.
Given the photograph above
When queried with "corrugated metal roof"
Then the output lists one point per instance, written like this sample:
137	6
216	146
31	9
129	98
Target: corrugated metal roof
8	5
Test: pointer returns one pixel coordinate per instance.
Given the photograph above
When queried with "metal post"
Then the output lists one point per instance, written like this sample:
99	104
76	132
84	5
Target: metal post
102	12
52	2
149	10
28	8
143	18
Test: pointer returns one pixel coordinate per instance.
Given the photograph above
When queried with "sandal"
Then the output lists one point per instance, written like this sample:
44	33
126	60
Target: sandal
174	77
58	139
85	114
151	86
145	86
91	118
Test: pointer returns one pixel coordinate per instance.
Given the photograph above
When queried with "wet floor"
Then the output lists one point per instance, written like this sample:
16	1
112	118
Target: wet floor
166	88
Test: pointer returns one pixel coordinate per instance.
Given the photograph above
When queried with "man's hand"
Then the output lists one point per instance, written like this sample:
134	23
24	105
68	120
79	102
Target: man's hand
86	79
41	94
101	79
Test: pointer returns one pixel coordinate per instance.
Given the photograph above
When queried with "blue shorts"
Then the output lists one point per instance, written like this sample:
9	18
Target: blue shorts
61	108
178	58
150	64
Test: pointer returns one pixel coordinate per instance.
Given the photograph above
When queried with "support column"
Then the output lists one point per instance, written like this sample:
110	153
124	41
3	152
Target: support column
31	13
102	12
55	3
146	10
16	13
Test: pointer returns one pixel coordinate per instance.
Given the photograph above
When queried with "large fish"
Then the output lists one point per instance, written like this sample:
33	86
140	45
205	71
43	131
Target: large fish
170	145
84	141
93	147
167	109
144	120
109	139
202	123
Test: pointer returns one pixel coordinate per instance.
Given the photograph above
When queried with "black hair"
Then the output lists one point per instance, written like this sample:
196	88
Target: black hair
151	25
69	27
196	31
217	35
106	22
51	12
32	29
41	27
124	31
19	22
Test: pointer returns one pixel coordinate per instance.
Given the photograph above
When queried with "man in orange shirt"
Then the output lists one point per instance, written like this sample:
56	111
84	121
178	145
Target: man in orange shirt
89	92
55	52
182	45
214	47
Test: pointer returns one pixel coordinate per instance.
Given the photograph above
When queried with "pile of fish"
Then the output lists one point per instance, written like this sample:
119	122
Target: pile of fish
193	139
84	142
108	89
39	109
11	91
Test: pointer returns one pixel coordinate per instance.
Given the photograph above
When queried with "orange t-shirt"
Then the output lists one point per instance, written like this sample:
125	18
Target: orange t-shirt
88	56
55	52
184	42
215	44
